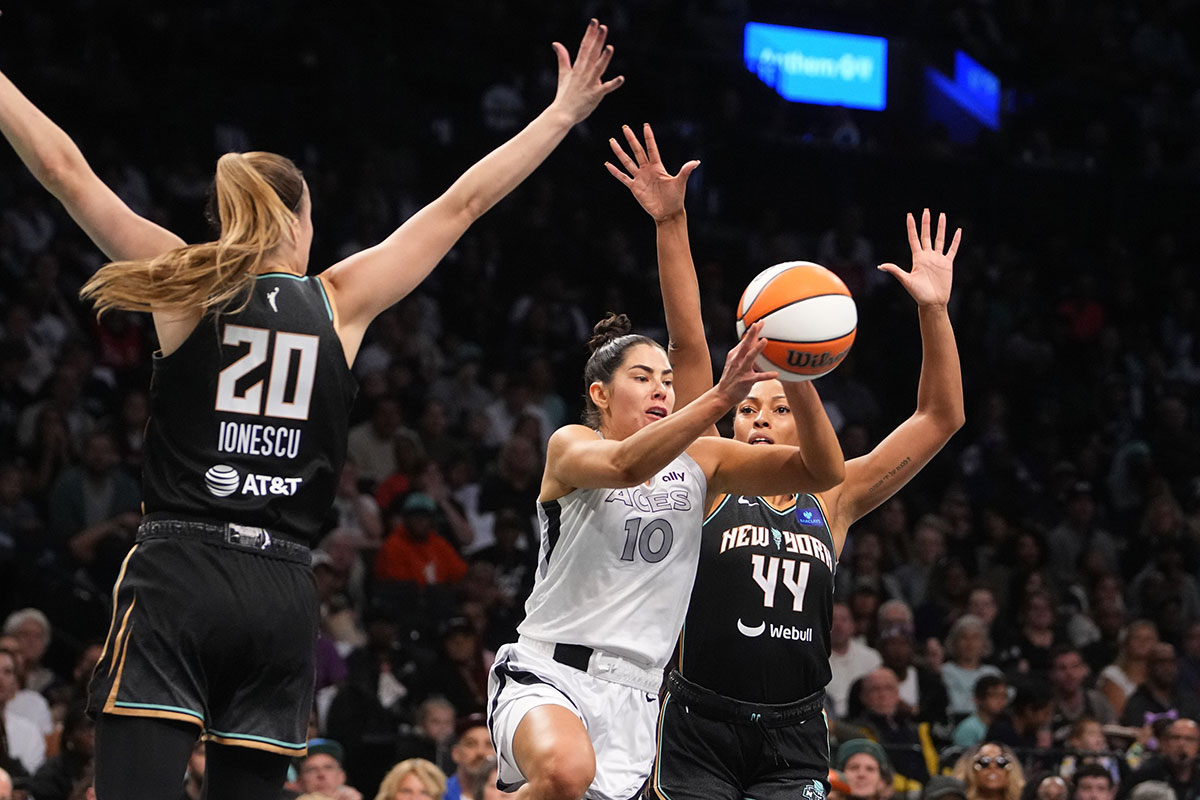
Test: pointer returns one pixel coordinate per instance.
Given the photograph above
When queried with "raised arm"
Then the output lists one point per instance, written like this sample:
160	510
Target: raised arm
661	195
873	478
578	458
60	167
773	469
366	283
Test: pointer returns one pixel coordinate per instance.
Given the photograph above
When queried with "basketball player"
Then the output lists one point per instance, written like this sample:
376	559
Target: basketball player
214	616
572	704
742	713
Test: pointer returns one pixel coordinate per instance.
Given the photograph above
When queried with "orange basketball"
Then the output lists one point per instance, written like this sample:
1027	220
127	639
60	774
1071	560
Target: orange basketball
809	319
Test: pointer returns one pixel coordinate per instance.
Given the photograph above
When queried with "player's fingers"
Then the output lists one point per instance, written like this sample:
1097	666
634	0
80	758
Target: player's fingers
564	58
925	241
769	375
687	169
622	156
940	241
588	43
895	272
602	63
612	85
635	145
616	173
953	251
651	145
913	242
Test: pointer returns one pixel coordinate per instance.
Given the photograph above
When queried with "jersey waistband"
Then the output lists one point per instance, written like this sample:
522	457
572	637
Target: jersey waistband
226	534
717	706
597	663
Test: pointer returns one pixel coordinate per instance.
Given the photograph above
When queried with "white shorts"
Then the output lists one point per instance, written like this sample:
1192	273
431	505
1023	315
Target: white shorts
620	720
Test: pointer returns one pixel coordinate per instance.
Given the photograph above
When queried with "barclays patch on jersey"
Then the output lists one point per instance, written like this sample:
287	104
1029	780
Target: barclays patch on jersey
809	516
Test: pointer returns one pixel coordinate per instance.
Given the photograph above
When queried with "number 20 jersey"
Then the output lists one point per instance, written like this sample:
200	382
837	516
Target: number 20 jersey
248	418
616	565
758	626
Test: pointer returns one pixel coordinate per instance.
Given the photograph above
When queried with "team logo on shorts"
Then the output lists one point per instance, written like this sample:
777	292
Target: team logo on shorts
814	791
222	480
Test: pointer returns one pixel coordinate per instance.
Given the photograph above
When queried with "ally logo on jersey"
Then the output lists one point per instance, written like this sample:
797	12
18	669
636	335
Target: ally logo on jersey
223	480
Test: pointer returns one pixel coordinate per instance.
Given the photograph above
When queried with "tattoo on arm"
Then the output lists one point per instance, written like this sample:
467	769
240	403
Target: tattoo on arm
891	473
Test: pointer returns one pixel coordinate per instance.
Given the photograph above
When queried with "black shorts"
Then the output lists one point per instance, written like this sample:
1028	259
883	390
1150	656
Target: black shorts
714	748
215	635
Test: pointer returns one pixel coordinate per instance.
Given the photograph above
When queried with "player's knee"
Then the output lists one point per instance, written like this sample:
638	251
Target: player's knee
565	775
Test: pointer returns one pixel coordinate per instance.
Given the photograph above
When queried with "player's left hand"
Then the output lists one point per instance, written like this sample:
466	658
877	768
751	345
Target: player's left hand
580	85
932	272
657	191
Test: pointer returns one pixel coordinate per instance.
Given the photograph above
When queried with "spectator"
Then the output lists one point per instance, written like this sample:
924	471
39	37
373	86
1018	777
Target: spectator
25	743
321	771
991	698
432	736
922	693
356	510
1174	764
1094	782
990	772
480	784
1160	691
372	444
26	703
6	785
849	659
1052	787
1038	633
58	776
95	510
1079	533
966	646
1153	790
1072	701
472	747
886	720
1025	725
1121	678
461	673
944	787
413	779
415	551
1087	746
864	766
929	547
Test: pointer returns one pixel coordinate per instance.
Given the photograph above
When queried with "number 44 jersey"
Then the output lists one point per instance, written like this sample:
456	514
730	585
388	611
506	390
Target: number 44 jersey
616	565
248	417
761	610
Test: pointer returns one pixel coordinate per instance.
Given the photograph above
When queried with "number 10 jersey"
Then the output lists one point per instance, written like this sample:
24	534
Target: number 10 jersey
616	566
248	418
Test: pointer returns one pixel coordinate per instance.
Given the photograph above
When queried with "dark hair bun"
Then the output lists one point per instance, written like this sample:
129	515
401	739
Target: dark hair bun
614	326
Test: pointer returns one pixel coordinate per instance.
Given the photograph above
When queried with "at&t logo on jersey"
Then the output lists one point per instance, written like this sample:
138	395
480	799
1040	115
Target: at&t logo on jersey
223	480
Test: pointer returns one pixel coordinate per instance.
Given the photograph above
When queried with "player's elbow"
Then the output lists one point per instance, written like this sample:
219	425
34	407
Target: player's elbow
828	473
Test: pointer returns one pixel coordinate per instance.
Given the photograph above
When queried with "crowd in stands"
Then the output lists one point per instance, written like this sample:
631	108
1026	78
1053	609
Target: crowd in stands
1022	621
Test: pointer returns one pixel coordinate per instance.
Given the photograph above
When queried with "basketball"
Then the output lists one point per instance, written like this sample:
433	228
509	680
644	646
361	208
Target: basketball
809	319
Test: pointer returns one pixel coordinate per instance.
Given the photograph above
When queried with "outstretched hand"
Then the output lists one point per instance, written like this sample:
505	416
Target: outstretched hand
740	373
932	272
659	192
580	85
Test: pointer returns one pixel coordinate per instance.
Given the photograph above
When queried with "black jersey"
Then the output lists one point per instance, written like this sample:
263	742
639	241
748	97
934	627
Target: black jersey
248	418
758	625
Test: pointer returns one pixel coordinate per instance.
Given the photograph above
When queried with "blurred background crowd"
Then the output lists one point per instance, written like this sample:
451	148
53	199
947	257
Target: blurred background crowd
1034	591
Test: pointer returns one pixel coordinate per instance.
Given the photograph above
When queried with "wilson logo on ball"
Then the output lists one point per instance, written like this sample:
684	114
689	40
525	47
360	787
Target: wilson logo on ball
809	319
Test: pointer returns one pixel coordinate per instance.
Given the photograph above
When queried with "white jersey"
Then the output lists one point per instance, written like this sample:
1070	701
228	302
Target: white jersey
616	566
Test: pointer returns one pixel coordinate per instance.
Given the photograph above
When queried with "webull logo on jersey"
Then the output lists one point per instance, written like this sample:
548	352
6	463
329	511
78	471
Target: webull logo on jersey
223	480
789	632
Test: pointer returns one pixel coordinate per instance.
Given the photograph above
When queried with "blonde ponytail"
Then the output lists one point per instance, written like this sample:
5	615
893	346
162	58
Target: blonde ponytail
258	197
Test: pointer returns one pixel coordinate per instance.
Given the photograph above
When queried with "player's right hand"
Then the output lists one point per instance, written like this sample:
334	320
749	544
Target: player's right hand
580	85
